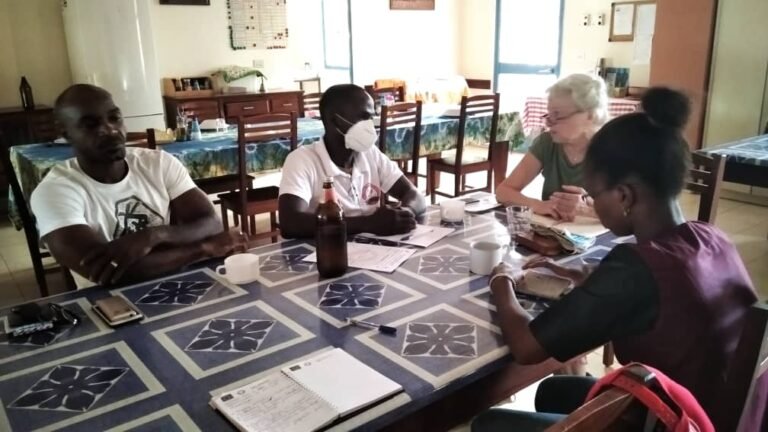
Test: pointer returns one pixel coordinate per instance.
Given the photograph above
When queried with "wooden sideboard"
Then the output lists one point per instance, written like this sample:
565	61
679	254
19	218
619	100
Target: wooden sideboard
232	106
19	126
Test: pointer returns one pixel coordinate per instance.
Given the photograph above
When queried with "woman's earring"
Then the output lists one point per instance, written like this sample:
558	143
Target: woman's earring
626	212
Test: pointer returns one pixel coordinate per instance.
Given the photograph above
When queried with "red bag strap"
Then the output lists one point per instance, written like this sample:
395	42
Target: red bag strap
649	399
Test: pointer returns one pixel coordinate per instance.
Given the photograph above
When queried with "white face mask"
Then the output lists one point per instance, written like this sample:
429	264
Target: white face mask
361	136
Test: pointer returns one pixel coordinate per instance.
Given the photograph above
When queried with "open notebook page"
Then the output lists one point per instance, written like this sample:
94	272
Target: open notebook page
342	380
275	403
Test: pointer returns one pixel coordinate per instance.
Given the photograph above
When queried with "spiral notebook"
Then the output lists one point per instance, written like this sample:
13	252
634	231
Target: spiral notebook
305	396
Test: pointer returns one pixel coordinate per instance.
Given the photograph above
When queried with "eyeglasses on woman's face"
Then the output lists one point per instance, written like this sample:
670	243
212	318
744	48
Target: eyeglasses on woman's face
553	118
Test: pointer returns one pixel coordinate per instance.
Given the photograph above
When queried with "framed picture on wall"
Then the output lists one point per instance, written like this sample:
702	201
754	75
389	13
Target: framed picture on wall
186	2
412	4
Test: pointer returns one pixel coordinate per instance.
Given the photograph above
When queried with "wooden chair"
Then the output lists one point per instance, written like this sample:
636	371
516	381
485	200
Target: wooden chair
376	93
202	109
245	203
615	410
706	178
311	102
457	162
746	375
407	114
36	253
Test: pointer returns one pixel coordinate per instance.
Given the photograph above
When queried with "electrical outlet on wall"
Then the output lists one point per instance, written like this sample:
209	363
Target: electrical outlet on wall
586	20
258	63
600	19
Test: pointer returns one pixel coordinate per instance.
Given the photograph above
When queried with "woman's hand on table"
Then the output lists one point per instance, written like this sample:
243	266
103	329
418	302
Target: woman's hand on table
577	275
505	272
571	202
547	208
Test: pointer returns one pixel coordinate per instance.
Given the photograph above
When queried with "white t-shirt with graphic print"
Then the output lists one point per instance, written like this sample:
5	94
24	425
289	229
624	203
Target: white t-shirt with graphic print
358	192
67	196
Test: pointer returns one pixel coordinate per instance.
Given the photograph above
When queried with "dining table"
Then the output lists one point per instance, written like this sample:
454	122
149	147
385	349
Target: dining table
215	154
202	335
746	160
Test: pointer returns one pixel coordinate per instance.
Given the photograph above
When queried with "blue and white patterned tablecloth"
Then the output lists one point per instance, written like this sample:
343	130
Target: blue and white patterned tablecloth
216	153
749	151
203	335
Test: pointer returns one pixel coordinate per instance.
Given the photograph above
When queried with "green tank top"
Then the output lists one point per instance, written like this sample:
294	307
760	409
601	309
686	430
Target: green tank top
555	168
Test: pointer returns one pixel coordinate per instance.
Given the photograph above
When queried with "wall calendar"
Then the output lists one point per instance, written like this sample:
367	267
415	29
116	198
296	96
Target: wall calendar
257	24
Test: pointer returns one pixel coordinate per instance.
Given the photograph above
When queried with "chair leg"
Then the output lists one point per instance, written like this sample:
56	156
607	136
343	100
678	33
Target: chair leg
608	354
458	183
224	218
37	265
431	183
273	225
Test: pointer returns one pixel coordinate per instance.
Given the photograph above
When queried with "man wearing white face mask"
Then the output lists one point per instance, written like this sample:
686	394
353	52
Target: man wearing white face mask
361	173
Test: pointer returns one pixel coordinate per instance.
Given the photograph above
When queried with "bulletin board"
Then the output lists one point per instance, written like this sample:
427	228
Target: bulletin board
257	24
624	19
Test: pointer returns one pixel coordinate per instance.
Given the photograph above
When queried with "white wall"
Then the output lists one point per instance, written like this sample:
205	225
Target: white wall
404	43
32	44
477	32
583	46
194	40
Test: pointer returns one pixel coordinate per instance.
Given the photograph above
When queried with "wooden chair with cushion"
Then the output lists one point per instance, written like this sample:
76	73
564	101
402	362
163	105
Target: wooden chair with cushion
461	162
245	203
746	376
376	93
311	102
36	252
617	410
406	115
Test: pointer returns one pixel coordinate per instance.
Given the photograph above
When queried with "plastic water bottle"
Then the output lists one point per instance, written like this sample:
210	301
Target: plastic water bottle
194	130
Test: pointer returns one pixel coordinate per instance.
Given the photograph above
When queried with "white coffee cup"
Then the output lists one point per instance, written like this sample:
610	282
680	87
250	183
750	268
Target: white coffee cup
240	268
452	210
484	255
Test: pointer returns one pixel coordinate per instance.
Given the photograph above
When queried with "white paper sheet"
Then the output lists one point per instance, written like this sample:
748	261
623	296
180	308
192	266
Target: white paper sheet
623	19
423	236
373	257
274	403
342	380
646	19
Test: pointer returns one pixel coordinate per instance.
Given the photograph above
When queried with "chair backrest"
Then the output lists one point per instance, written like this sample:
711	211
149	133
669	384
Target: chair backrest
376	93
405	115
312	101
262	129
611	410
747	378
25	214
473	106
140	139
706	178
202	109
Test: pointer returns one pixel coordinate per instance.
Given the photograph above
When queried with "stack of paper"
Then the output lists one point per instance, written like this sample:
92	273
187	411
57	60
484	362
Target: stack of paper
372	257
423	236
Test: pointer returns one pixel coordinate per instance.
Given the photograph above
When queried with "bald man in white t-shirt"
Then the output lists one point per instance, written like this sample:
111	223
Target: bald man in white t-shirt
361	173
115	215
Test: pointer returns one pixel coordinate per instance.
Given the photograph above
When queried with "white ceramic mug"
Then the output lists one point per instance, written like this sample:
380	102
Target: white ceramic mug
452	210
240	268
484	255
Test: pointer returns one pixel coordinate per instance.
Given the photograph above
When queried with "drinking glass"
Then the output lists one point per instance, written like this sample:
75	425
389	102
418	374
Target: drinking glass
518	223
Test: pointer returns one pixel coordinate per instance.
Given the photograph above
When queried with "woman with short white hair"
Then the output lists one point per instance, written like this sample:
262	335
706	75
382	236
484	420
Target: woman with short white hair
577	107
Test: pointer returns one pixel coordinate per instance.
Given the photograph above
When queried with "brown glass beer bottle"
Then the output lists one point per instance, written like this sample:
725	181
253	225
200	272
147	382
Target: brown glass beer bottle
331	236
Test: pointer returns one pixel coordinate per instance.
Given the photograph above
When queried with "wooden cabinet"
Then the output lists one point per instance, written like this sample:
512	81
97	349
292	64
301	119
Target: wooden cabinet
24	127
231	106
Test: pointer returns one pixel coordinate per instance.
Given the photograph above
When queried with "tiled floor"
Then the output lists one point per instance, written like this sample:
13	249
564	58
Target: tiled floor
745	224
